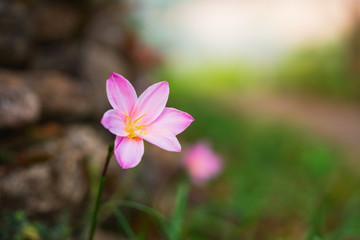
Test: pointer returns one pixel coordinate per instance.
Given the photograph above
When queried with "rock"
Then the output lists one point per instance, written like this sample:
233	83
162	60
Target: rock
55	20
54	93
30	187
106	28
59	183
15	37
57	56
18	104
96	65
60	94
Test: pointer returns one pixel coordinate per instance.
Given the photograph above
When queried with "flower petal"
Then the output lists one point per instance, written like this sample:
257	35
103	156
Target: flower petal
121	93
151	103
173	120
114	120
163	139
128	151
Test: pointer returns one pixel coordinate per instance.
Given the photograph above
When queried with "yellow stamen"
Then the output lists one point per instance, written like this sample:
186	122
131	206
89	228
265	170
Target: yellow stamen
133	130
138	118
128	118
141	126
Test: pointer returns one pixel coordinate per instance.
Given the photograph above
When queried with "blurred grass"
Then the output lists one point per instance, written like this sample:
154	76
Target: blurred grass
17	226
325	70
279	183
211	77
124	224
179	212
113	205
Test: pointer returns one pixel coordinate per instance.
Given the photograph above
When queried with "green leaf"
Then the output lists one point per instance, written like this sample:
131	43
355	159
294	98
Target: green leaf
180	208
316	238
124	224
141	207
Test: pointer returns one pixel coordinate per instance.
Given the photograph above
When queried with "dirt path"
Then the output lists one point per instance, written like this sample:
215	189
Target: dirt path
337	122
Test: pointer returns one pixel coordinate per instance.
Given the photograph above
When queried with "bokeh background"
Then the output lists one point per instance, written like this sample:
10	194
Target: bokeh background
273	86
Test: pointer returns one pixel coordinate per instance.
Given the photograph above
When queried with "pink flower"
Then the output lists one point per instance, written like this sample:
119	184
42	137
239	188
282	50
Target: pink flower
145	118
202	163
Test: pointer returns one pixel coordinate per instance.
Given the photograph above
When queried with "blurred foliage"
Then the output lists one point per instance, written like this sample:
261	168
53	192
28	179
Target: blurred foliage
211	77
171	227
325	70
279	182
17	226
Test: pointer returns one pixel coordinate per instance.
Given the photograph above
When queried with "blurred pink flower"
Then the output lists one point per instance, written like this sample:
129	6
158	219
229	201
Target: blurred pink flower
202	163
134	119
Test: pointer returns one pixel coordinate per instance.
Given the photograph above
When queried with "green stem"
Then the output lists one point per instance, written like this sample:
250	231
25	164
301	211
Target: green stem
102	180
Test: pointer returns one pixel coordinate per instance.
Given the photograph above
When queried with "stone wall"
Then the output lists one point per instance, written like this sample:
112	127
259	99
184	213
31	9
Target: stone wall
55	57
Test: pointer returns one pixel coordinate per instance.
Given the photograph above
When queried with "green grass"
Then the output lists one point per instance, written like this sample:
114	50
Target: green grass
279	182
211	77
17	226
325	71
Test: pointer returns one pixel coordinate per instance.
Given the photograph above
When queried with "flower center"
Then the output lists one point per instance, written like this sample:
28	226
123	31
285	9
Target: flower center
131	127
